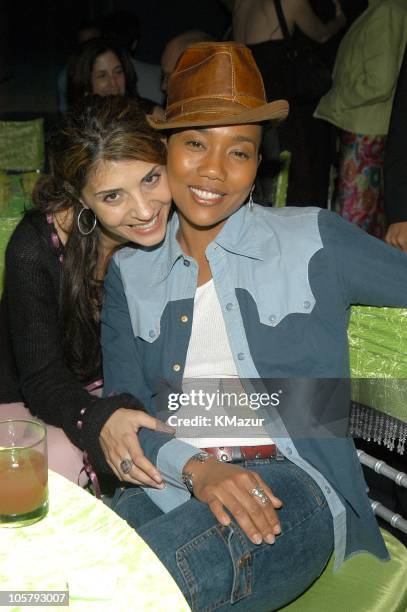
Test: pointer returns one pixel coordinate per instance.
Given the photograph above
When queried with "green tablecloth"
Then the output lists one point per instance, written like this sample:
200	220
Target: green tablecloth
84	547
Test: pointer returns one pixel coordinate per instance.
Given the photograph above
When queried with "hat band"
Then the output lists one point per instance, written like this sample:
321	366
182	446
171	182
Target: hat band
212	106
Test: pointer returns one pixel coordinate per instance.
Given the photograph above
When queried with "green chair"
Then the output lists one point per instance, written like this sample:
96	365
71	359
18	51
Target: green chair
22	145
21	162
6	229
280	181
362	584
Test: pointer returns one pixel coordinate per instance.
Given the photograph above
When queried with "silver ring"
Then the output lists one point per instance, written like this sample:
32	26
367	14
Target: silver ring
259	492
126	465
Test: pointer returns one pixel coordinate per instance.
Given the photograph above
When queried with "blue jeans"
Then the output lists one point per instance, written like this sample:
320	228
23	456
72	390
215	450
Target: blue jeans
219	568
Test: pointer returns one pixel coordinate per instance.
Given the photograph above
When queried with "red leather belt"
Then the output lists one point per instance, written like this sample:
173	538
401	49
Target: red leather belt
235	454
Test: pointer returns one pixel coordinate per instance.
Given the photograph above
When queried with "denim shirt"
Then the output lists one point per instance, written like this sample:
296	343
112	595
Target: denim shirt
285	280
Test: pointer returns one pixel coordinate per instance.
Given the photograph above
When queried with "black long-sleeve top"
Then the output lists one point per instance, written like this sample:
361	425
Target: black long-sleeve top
33	369
395	164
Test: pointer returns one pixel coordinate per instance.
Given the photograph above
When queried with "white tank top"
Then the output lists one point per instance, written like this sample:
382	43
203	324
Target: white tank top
209	356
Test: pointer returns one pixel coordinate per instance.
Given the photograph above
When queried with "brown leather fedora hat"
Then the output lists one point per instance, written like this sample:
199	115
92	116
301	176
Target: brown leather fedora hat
217	83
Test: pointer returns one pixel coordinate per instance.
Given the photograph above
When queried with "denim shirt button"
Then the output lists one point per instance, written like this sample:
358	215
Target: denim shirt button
241	356
307	304
187	263
272	319
184	318
151	333
328	489
176	367
229	306
288	450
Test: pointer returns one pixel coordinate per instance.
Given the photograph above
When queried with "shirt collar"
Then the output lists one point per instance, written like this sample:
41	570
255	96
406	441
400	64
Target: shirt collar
239	235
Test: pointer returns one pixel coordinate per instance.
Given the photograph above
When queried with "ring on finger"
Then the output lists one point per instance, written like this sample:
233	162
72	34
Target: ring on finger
126	465
260	493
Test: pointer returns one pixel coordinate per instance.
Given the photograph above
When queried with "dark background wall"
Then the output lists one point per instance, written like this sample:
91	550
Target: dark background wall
36	38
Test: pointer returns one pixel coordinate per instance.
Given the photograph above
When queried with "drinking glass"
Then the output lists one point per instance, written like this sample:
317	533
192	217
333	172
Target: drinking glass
23	472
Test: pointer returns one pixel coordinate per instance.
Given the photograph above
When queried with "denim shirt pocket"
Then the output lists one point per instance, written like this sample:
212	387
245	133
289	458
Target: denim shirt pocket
145	313
276	300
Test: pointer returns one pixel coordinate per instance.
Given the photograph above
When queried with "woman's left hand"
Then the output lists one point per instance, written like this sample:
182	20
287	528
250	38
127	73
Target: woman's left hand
118	439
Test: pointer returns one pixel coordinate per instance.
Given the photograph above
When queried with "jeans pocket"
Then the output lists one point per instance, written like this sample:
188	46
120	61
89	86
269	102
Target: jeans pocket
216	566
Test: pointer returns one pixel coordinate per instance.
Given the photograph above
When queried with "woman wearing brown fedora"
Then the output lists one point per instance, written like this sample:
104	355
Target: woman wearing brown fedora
240	329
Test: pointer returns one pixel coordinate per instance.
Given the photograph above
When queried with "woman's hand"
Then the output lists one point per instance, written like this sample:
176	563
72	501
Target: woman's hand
118	439
226	486
397	235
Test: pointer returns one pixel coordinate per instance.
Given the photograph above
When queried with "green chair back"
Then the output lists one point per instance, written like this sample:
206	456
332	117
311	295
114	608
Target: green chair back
280	181
22	145
15	197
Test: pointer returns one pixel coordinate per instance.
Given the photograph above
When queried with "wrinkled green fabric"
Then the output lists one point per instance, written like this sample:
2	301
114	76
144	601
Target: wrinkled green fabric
22	145
363	584
14	199
6	229
377	345
83	546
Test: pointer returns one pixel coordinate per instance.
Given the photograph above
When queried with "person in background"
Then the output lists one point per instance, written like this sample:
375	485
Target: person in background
174	49
86	31
359	104
107	187
124	27
256	21
395	166
256	24
102	67
248	519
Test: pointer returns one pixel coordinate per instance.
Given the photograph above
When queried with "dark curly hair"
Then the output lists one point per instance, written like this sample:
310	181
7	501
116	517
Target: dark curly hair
111	129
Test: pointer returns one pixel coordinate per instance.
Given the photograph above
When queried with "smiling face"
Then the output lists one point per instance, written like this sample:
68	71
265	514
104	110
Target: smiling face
131	200
211	172
107	77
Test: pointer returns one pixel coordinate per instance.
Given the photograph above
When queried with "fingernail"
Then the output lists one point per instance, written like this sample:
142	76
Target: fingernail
158	478
257	538
161	486
277	529
270	539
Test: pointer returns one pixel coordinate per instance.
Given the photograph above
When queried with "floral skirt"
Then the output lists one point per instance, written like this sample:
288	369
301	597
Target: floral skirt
360	192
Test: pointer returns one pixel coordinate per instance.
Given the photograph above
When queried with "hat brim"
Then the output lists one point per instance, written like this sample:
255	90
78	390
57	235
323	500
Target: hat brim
273	112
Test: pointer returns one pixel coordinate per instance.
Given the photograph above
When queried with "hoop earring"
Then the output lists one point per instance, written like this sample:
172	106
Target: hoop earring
250	202
78	222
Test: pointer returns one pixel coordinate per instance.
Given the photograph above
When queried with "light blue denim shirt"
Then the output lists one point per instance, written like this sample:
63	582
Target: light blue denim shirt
285	279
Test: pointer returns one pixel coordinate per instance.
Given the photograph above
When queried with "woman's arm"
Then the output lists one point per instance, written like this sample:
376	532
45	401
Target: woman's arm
50	390
309	23
369	271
